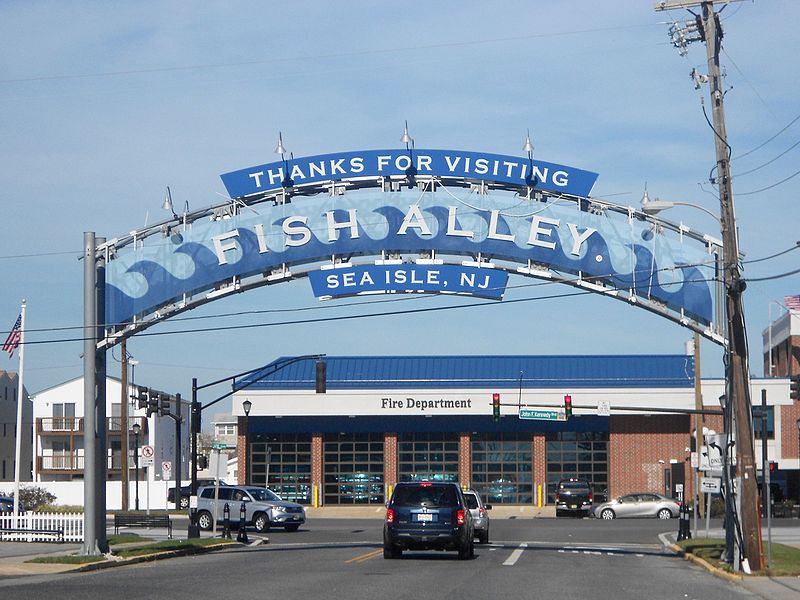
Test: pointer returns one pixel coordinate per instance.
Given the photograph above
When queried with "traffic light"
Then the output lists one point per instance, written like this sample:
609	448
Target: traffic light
163	404
794	387
568	406
496	407
322	376
197	417
142	394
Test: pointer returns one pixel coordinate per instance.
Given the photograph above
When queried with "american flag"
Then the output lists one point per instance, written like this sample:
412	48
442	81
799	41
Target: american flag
792	302
14	337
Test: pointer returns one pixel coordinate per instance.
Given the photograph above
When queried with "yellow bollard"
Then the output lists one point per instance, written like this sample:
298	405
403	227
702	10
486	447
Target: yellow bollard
539	495
388	492
315	496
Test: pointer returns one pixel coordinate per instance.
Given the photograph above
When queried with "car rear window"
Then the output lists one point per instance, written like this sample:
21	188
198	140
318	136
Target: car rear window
426	495
574	485
471	500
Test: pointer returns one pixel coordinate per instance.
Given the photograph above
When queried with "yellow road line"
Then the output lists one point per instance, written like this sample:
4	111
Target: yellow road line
366	556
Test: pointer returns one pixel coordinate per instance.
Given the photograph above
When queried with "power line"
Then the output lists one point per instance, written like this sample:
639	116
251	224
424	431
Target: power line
764	143
635	274
352	54
769	187
769	162
644	285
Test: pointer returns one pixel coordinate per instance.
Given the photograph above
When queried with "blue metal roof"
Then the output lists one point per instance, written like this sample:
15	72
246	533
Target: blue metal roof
483	372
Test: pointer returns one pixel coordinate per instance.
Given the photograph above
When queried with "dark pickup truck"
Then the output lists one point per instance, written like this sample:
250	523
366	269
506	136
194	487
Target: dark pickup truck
573	496
186	491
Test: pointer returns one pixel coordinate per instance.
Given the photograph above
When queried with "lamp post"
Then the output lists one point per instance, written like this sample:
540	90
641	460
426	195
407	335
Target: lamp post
135	429
246	406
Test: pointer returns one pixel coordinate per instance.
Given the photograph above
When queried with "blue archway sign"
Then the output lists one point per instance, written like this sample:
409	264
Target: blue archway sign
354	166
425	221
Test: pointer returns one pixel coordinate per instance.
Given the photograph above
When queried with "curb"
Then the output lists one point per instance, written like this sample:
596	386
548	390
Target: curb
707	565
110	563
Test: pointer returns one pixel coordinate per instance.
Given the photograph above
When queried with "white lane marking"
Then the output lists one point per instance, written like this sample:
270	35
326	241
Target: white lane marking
511	560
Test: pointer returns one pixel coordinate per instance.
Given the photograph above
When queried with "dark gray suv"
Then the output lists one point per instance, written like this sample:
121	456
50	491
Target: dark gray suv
428	516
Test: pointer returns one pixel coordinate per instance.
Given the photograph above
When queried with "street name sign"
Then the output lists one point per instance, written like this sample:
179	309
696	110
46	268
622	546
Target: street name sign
542	414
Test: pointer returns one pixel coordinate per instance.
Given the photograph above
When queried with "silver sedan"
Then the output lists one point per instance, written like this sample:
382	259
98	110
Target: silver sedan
644	504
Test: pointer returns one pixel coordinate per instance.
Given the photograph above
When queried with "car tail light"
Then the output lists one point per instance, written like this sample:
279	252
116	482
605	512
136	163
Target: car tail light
591	497
558	497
390	515
425	484
481	511
460	516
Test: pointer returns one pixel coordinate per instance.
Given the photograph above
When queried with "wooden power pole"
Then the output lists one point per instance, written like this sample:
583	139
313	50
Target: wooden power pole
706	27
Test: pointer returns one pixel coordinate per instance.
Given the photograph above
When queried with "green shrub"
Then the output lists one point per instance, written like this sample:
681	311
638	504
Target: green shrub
34	497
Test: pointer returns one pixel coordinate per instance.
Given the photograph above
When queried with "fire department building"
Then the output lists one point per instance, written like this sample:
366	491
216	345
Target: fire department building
385	419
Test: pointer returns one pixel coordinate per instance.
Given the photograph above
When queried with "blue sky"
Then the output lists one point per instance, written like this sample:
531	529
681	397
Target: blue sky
105	104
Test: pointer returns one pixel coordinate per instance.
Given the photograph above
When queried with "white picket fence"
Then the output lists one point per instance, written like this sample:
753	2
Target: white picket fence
70	523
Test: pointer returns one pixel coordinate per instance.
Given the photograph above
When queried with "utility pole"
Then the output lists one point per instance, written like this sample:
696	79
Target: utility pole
123	425
706	27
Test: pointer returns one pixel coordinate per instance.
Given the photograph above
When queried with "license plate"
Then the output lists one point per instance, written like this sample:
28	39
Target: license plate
425	517
574	506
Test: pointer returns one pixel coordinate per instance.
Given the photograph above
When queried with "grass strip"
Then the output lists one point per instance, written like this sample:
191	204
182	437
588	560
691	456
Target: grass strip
68	559
785	559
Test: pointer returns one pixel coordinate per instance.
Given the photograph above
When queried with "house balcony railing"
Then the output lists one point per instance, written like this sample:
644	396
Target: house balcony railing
73	463
74	425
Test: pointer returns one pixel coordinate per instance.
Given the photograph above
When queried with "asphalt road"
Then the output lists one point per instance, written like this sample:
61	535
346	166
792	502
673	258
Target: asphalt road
342	558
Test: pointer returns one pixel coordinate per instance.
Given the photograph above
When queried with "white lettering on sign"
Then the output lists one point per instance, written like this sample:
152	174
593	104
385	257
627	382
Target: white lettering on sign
297	232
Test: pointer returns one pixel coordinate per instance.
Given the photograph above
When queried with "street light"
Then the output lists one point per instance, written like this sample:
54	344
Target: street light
655	206
246	406
135	429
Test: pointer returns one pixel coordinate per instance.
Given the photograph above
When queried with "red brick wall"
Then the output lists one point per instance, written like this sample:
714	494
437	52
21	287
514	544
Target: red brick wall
785	358
241	451
317	464
465	459
539	466
637	443
789	433
390	469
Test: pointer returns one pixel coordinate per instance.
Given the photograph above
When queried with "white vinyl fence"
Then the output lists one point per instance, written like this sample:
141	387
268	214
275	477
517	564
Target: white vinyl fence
36	524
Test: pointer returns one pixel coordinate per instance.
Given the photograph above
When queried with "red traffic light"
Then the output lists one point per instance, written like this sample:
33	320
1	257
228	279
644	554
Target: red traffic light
568	405
495	398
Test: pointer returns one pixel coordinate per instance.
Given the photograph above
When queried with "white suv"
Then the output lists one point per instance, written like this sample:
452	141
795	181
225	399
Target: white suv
263	508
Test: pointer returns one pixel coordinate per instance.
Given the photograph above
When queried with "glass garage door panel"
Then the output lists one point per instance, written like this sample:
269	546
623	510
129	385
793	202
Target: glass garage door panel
583	455
353	472
282	462
428	456
502	467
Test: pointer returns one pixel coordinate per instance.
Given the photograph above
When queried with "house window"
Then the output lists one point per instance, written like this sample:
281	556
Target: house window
63	415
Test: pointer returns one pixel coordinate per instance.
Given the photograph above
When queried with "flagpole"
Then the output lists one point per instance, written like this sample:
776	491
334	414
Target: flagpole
20	400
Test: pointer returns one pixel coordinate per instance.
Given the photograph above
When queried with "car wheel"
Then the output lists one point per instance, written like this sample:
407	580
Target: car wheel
471	548
391	552
184	502
261	522
204	520
558	513
665	513
292	527
463	551
607	514
483	537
